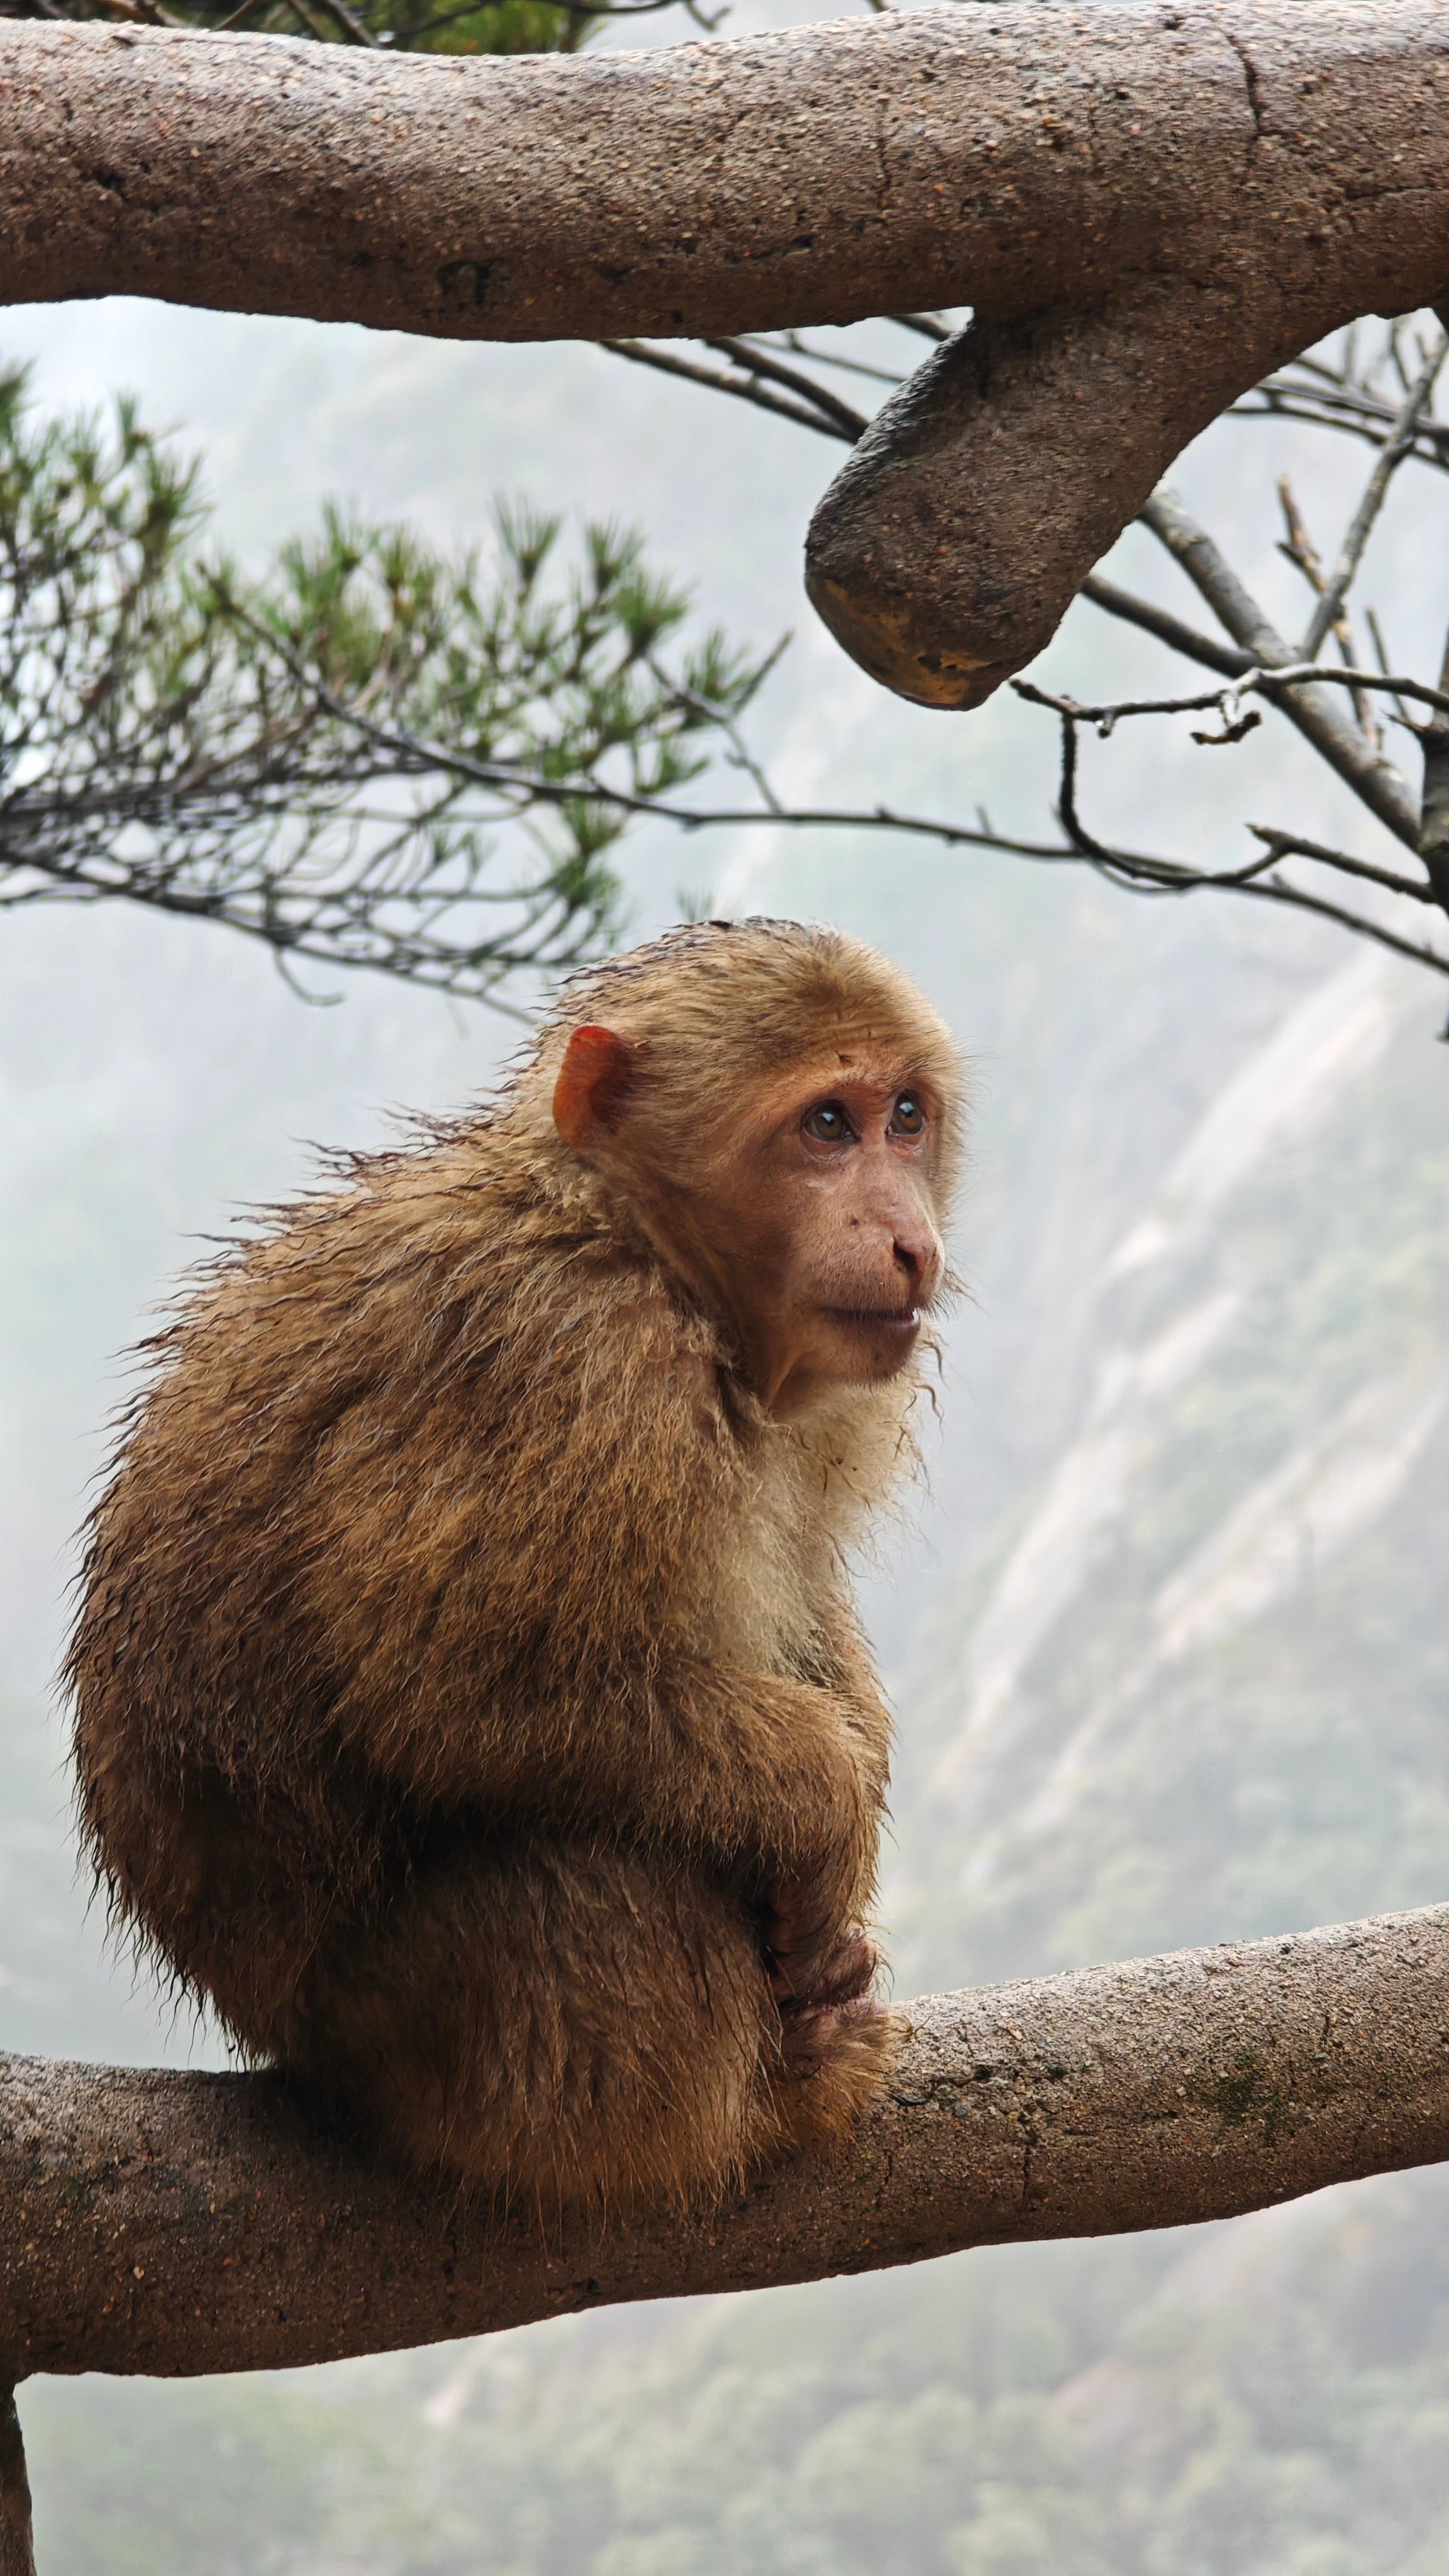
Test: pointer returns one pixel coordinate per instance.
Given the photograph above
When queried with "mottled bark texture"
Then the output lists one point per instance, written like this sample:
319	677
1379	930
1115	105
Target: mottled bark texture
1148	206
174	2224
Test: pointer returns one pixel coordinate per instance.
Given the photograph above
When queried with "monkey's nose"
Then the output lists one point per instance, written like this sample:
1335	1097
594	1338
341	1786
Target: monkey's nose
916	1253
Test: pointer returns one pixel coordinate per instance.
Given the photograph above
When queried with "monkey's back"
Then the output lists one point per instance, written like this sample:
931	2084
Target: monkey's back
306	1546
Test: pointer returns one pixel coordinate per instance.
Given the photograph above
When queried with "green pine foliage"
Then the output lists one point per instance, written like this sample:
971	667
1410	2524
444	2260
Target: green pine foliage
405	26
367	753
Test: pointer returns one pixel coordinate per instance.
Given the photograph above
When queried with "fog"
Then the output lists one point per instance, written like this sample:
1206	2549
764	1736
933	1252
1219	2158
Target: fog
1165	1636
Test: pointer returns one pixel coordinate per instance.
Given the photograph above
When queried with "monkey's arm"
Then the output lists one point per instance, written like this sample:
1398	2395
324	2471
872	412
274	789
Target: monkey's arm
531	1628
757	1778
762	1778
778	1787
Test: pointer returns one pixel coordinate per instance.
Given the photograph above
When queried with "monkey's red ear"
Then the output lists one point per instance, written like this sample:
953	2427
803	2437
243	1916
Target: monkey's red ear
593	1078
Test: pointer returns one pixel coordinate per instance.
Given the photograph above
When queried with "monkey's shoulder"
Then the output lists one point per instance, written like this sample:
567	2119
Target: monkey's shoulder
444	1337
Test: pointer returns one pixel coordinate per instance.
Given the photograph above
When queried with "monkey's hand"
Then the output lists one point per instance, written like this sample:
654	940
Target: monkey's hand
810	1969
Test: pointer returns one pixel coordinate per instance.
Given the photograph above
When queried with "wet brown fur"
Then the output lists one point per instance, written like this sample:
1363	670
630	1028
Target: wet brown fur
465	1658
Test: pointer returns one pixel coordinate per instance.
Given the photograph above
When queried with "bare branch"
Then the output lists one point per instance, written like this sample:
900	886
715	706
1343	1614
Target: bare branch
927	326
1434	808
1137	870
1254	679
1207	568
757	361
1300	550
745	386
1289	845
799	344
1358	763
1391	456
1351	410
174	2224
1363	925
1174	631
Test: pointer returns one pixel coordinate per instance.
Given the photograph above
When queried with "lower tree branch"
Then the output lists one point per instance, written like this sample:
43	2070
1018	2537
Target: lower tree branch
175	2224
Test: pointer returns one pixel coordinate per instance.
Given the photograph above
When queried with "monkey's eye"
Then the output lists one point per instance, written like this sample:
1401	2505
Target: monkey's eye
827	1124
908	1118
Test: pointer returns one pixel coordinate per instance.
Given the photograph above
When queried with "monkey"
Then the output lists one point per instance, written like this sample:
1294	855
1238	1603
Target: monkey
470	1702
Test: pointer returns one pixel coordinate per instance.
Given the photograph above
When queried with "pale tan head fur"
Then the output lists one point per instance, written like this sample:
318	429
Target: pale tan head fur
782	1112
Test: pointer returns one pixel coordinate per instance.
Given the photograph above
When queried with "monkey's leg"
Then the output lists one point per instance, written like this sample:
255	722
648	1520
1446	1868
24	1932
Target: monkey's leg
562	2026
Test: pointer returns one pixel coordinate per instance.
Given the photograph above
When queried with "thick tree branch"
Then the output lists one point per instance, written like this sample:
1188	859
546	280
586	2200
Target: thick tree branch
174	2224
1149	211
811	176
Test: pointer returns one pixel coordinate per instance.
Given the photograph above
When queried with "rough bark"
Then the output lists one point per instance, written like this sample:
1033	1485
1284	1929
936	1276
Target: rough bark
174	2224
1148	205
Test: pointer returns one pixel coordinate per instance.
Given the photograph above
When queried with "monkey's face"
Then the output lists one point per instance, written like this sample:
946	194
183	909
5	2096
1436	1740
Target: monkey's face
819	1226
806	1216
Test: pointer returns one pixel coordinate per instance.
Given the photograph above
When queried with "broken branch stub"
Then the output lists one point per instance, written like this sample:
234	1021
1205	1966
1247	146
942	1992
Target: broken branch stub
952	542
1148	206
175	2224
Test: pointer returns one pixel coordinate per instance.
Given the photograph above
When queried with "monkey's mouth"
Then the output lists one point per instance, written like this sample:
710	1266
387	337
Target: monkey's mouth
878	1319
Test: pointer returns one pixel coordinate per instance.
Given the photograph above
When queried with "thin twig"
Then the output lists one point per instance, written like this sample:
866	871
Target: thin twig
1140	870
798	346
1372	777
1174	631
1288	845
927	326
1254	678
1382	655
757	361
644	353
725	722
1301	551
1396	447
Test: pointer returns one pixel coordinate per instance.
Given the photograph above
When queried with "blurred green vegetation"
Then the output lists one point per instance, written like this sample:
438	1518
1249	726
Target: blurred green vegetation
1204	2405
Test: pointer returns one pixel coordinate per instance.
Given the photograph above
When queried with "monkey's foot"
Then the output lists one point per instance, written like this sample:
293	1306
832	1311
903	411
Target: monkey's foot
836	2056
810	1966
